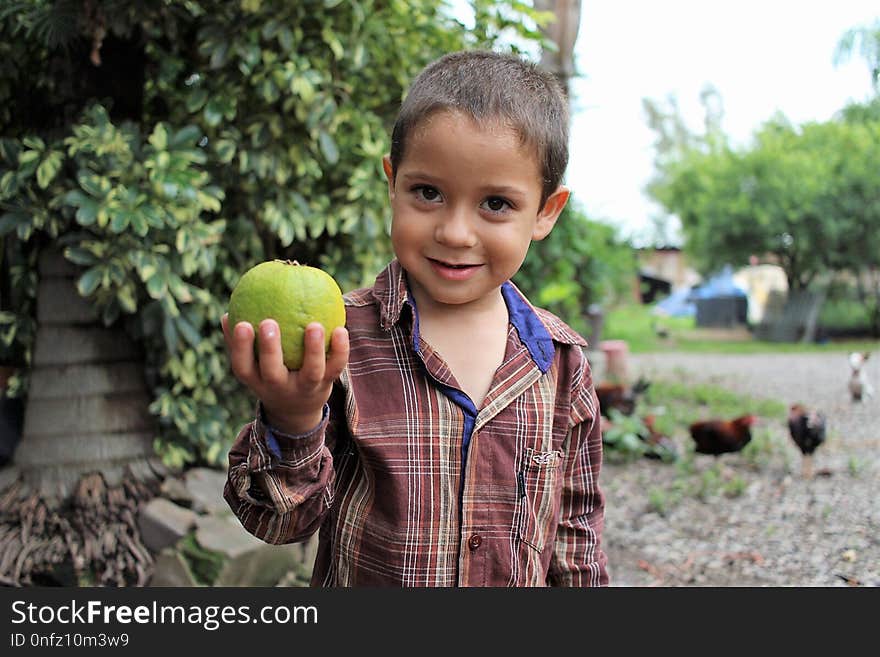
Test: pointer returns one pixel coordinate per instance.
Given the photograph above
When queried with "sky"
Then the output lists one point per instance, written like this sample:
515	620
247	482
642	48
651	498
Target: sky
763	57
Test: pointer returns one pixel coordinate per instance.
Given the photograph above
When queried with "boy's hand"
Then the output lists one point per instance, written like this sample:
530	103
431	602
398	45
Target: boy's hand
293	400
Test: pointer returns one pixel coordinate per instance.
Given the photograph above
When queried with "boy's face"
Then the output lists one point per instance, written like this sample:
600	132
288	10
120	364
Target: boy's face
466	204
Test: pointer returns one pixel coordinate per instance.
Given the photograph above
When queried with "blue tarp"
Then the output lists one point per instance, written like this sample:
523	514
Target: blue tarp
682	303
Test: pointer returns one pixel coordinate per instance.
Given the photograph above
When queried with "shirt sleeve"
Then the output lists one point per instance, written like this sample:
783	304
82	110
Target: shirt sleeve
279	486
578	558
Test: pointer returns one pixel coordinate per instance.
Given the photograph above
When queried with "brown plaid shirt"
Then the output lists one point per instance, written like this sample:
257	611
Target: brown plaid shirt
411	485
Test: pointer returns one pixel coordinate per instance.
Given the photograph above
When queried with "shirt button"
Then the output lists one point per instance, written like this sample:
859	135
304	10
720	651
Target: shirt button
475	541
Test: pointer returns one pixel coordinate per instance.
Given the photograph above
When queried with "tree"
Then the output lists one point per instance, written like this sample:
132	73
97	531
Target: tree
866	41
800	194
167	146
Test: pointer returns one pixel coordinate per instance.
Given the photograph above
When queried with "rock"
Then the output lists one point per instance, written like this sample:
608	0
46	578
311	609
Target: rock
249	561
225	535
171	569
205	487
8	475
162	523
174	489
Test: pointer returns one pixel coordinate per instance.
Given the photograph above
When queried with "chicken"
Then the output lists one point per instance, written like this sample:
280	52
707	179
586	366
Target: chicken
859	385
721	436
619	396
807	429
661	445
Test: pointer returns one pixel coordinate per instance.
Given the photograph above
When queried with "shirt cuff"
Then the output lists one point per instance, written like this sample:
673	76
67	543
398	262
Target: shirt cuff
280	443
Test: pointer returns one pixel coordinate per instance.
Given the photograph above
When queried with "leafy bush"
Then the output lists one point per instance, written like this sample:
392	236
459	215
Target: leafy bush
167	147
581	262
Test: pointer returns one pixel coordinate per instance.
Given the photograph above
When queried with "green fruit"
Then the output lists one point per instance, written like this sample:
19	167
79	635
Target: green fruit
294	295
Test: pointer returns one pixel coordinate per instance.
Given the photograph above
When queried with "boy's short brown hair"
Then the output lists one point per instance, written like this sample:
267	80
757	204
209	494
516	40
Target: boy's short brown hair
492	86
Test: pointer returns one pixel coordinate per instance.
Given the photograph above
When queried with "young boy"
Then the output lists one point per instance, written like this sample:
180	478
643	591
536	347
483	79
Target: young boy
451	435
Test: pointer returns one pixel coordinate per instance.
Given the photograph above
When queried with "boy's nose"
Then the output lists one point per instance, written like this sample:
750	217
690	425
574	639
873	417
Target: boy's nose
455	229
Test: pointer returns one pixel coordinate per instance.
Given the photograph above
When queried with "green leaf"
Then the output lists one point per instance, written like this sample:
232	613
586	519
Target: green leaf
328	147
225	149
285	39
87	213
34	143
189	333
28	157
48	169
8	184
126	298
157	285
196	99
139	224
10	221
187	136
332	40
213	112
80	256
159	137
89	281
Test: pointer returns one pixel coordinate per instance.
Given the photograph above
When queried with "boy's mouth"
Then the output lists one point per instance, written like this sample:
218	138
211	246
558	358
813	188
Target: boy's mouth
453	270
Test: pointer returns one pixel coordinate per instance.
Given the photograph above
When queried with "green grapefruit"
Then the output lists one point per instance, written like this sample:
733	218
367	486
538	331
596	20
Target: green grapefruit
294	295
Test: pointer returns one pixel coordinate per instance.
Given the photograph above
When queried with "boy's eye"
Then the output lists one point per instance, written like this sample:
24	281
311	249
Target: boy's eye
427	193
496	204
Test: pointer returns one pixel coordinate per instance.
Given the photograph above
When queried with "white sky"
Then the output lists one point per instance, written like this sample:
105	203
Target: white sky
763	56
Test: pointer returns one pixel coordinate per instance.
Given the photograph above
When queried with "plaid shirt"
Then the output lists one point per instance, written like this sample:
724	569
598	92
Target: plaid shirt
411	485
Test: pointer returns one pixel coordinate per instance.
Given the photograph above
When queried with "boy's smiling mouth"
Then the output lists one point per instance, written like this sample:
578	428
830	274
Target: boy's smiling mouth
453	271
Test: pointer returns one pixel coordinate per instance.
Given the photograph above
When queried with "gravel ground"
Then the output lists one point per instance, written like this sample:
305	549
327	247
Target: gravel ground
783	530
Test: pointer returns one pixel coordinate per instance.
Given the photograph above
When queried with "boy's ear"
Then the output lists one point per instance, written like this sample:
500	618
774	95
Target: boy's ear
550	212
389	173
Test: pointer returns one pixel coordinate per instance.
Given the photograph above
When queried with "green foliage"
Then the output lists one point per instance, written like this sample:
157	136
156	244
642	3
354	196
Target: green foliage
803	195
621	441
581	262
212	136
204	564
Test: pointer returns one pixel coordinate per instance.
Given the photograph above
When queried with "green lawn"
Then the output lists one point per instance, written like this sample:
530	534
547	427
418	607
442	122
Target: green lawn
635	324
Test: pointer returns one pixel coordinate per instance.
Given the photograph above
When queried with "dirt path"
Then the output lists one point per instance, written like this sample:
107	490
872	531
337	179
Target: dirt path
780	530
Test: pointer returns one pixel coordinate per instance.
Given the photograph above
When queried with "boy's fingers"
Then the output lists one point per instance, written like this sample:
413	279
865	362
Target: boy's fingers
338	358
272	369
312	370
240	342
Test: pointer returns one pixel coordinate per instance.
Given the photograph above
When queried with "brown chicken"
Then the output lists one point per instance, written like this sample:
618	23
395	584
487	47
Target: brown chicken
619	396
722	436
807	429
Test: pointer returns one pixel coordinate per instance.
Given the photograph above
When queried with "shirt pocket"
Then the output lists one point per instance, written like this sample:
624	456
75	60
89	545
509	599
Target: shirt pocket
537	480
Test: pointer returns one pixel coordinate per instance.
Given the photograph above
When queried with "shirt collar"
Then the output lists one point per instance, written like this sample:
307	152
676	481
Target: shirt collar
537	329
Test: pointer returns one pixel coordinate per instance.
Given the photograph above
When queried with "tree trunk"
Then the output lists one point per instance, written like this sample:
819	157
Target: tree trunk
85	460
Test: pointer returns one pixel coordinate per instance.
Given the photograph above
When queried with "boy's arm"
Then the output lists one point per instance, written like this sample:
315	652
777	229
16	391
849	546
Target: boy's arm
280	487
578	559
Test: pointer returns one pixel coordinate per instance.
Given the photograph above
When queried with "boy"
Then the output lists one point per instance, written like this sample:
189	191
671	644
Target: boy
451	435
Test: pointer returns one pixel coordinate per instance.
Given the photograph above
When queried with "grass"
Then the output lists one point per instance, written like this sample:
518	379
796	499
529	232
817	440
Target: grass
635	324
675	405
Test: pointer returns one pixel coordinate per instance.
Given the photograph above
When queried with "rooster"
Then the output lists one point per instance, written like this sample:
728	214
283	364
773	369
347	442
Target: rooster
721	436
807	429
619	396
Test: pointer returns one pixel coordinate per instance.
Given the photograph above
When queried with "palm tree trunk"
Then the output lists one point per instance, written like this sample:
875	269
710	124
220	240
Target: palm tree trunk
85	460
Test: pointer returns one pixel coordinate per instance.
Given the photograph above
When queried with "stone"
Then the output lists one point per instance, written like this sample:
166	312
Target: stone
249	561
171	569
174	489
162	523
205	486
